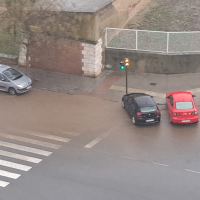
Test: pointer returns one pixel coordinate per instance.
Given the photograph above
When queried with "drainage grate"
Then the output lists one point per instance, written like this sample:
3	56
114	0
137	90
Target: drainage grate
153	84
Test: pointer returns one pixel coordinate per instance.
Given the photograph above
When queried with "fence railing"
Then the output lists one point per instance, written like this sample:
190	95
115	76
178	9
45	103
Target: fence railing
153	41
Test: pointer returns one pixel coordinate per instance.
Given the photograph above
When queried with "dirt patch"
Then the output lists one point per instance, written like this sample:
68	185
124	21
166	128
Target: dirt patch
168	15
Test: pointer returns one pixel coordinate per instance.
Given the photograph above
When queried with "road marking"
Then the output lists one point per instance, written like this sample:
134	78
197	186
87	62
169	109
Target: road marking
196	90
133	90
188	170
160	164
20	157
129	158
25	148
3	184
9	174
43	135
14	165
31	141
72	133
97	140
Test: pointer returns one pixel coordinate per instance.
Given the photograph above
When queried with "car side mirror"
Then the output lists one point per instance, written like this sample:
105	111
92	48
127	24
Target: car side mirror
193	95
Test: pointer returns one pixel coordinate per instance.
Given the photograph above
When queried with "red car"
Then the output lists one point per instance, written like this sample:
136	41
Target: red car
182	107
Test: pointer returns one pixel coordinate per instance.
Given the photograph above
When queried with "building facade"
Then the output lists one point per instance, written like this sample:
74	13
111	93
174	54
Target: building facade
80	49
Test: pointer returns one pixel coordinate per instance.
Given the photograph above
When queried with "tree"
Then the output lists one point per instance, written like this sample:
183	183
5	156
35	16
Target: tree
31	21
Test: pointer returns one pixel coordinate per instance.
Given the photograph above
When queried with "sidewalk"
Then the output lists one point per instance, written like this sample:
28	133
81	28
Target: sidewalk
156	85
111	85
65	83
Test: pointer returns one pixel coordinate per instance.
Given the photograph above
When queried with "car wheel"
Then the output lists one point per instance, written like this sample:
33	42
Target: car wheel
133	120
123	106
170	120
12	91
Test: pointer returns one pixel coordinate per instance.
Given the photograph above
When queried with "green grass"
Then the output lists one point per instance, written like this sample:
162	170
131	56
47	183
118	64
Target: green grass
7	44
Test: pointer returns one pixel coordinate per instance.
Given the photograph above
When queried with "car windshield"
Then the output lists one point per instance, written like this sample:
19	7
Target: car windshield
148	109
12	74
184	105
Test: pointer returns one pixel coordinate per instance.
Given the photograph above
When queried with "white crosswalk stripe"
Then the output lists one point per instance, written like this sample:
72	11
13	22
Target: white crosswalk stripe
9	174
25	148
20	157
14	165
24	136
31	141
42	135
3	184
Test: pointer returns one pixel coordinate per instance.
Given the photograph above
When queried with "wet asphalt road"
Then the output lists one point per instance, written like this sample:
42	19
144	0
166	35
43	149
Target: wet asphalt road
107	157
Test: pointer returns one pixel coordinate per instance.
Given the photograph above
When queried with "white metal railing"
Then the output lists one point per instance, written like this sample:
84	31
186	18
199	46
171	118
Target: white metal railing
153	41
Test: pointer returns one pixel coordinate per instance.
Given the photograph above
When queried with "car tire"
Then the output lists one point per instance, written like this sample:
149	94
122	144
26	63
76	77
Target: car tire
12	91
170	120
123	106
133	120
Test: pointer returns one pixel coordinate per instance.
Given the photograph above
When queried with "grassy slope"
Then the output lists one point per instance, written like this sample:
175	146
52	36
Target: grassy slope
7	44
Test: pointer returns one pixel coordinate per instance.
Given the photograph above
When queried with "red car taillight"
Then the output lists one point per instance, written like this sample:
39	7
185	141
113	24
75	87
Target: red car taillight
158	112
194	113
176	114
139	114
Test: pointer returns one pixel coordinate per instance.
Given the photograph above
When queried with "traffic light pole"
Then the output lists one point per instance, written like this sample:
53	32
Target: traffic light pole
126	79
124	65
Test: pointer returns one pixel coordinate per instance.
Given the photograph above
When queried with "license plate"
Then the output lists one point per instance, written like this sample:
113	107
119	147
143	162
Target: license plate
149	120
185	120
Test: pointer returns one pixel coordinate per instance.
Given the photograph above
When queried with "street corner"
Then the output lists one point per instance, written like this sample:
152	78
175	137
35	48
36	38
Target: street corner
109	81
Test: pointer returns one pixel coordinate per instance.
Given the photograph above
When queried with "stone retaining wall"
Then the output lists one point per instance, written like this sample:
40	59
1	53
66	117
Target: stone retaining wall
92	59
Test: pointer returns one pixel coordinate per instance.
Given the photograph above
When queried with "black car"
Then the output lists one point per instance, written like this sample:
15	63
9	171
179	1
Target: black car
141	108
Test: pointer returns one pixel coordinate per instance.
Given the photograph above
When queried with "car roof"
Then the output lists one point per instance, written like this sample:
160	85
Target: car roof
182	96
135	95
3	68
144	101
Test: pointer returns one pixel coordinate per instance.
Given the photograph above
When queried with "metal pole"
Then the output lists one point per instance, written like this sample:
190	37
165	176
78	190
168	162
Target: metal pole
136	42
126	80
167	42
106	38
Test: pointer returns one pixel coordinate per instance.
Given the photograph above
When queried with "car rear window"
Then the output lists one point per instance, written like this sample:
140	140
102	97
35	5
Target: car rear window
148	109
184	105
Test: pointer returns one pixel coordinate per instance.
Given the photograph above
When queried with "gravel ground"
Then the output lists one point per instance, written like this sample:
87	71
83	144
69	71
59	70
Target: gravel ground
169	15
162	15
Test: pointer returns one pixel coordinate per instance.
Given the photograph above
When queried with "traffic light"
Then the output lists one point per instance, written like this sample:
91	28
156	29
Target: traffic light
122	66
126	62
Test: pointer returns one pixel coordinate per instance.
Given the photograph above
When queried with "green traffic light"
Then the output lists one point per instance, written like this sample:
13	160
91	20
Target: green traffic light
122	67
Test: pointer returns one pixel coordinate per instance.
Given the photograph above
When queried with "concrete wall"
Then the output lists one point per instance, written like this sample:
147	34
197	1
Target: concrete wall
153	63
117	14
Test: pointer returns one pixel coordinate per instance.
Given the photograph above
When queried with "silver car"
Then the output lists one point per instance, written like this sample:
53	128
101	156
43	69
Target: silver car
13	81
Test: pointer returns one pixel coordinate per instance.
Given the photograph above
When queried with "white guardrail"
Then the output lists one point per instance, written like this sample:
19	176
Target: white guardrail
153	41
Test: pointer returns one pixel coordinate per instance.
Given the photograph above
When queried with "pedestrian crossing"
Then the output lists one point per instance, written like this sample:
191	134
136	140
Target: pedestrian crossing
15	143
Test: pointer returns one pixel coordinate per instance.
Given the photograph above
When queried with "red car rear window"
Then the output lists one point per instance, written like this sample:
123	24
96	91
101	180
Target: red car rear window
184	105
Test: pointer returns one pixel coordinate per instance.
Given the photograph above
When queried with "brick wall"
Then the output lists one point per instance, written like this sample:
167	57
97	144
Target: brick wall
59	55
8	59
